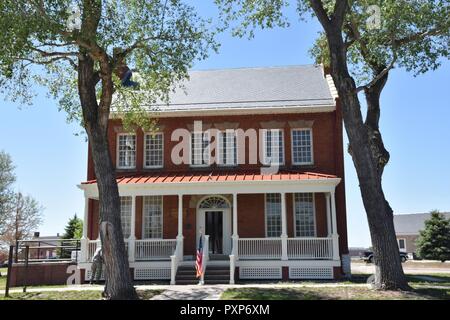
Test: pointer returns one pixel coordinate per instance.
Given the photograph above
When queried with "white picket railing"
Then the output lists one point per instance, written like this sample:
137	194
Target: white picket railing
154	249
310	248
259	248
297	248
91	248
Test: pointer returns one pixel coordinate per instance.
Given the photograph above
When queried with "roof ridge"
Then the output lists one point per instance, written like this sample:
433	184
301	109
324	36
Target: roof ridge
258	67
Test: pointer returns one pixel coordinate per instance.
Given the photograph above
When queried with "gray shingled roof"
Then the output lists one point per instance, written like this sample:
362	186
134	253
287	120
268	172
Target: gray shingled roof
412	223
252	87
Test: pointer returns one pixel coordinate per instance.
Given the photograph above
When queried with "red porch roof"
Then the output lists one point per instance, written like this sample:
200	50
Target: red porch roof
215	176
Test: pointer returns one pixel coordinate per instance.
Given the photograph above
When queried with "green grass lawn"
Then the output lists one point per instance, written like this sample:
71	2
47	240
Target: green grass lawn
72	295
332	293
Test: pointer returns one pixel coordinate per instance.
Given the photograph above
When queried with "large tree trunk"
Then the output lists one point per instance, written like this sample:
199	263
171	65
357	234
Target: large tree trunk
117	271
389	272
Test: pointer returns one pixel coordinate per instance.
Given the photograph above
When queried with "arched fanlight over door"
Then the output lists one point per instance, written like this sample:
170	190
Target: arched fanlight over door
214	202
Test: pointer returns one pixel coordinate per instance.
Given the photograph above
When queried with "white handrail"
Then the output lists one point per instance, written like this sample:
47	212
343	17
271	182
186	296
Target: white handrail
205	257
175	259
259	248
232	267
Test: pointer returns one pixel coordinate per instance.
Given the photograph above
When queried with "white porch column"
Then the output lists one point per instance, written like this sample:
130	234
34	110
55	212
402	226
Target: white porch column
132	237
84	239
235	235
284	236
327	204
334	235
180	226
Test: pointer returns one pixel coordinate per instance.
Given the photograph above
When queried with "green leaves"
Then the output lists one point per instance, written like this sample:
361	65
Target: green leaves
434	241
160	38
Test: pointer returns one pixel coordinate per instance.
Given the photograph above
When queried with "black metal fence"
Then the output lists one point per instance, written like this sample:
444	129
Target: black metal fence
41	251
47	250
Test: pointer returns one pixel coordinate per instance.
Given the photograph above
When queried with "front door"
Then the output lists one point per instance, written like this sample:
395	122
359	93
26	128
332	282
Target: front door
214	228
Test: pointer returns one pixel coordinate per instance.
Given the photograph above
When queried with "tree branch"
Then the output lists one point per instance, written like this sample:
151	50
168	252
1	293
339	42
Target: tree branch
420	35
379	75
321	13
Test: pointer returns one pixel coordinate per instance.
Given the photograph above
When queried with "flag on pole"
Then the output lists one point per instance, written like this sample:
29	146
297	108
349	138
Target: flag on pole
199	260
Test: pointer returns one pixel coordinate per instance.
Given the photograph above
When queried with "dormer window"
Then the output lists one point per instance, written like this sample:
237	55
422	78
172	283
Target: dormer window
126	151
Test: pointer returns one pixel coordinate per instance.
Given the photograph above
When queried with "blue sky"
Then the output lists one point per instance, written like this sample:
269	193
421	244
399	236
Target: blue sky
51	160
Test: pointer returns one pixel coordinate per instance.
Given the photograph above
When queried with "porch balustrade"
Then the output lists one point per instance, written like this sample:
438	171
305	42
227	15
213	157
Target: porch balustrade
154	249
297	248
147	249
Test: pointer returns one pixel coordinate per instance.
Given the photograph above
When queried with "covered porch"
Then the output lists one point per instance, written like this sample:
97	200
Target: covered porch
230	213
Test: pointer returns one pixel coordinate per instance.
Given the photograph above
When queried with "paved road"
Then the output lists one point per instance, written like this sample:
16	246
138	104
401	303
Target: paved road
408	267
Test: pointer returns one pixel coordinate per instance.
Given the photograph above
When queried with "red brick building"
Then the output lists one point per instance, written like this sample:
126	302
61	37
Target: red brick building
249	159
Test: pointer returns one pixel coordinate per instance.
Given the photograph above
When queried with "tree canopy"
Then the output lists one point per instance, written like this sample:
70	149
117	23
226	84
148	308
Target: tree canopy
74	228
161	39
434	240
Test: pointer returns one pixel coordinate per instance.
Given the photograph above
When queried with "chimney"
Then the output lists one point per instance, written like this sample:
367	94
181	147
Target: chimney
36	234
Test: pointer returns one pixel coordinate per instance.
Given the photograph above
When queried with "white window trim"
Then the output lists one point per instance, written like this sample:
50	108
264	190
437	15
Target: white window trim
118	166
219	149
162	218
292	147
192	165
145	151
265	216
265	150
398	243
294	224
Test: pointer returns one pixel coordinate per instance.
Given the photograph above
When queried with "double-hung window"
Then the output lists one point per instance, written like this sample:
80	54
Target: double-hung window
153	217
126	151
304	215
154	150
200	151
302	151
125	215
273	146
273	215
227	148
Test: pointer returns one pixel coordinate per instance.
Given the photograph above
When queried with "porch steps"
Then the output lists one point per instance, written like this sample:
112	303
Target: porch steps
213	275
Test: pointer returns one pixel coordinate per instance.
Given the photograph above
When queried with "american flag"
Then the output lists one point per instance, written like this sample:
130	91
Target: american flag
199	261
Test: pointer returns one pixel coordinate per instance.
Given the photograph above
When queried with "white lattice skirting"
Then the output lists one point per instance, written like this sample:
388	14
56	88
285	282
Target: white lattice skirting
260	273
311	273
152	273
87	275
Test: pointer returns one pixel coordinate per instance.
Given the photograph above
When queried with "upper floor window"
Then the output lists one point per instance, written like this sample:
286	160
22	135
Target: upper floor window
200	153
304	215
227	148
153	217
126	151
125	215
273	214
302	146
273	144
154	150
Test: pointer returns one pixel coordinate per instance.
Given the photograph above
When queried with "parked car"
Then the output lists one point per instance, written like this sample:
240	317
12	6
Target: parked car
367	256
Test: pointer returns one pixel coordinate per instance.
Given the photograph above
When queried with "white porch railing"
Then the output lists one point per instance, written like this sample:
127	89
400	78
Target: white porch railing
310	248
297	248
91	248
154	249
259	248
